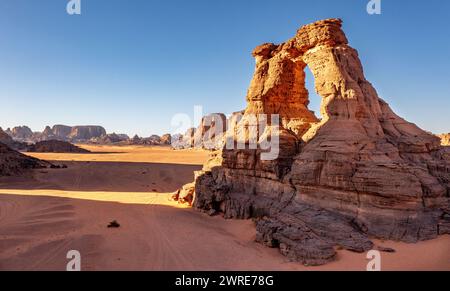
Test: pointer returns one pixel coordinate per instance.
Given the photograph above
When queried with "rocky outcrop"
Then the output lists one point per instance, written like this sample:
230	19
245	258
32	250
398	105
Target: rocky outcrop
7	140
445	139
359	172
58	132
154	140
61	132
185	141
166	139
55	146
109	139
15	163
208	135
8	131
22	133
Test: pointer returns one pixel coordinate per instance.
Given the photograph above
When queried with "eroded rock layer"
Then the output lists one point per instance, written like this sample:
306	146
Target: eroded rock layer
359	172
445	139
14	163
55	146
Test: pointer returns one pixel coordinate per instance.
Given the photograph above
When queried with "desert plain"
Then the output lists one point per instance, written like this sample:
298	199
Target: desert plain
49	212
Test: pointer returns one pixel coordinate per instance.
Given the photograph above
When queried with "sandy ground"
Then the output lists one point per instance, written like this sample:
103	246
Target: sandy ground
53	211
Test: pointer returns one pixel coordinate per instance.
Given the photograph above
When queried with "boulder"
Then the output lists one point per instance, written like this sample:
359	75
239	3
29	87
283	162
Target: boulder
166	139
358	173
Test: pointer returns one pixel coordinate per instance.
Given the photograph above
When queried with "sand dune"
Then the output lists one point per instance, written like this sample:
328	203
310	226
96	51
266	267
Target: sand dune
57	210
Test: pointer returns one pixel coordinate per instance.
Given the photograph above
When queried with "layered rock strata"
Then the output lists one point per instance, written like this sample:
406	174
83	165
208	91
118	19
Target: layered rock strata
359	172
15	163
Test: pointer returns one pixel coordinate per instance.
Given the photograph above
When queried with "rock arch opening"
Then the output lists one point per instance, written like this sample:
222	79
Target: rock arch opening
315	100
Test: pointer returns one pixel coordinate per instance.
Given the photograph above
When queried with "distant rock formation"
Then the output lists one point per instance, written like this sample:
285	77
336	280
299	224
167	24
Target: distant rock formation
186	141
22	133
209	135
166	139
154	140
61	131
5	138
58	132
361	172
445	139
110	139
8	131
55	146
15	163
84	133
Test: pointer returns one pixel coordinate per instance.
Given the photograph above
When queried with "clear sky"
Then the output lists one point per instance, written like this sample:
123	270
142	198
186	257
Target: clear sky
130	65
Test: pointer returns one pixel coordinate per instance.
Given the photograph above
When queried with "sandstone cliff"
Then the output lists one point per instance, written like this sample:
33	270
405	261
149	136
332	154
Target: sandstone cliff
14	163
55	146
22	133
5	138
360	172
208	135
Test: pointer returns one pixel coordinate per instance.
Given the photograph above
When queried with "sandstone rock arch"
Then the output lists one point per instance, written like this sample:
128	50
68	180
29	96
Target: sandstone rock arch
360	172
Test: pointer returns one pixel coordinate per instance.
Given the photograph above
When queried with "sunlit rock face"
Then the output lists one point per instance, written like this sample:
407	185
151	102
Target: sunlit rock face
445	139
359	172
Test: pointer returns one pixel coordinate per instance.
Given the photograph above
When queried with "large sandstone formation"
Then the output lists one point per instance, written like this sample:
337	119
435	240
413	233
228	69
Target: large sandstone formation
5	138
61	131
111	138
166	139
80	133
445	139
208	135
13	163
360	172
58	132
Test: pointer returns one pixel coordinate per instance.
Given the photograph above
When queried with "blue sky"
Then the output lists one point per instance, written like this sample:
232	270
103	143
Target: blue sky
131	65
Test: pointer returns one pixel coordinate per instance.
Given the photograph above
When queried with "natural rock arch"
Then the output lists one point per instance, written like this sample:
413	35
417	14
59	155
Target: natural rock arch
360	172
